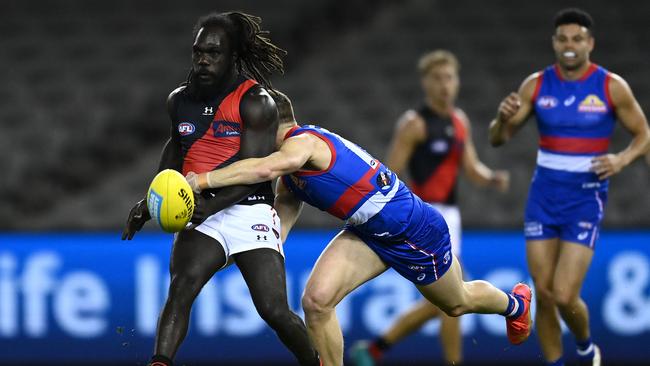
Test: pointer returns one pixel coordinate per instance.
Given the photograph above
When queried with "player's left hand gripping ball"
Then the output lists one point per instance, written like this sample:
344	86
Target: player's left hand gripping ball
170	200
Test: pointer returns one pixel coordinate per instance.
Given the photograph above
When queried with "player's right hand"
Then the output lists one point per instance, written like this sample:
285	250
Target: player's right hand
138	216
508	107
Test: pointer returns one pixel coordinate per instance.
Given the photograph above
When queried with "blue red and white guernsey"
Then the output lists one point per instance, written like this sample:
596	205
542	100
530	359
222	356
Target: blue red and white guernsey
575	121
210	132
405	232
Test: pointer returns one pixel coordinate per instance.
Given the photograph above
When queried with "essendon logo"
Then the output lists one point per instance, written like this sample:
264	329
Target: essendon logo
260	227
226	129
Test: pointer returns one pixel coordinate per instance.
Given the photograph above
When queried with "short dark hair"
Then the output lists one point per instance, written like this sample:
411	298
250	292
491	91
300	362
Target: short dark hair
258	57
574	16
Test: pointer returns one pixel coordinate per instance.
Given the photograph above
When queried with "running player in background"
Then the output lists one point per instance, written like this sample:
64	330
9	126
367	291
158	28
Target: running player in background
221	115
386	226
433	143
576	104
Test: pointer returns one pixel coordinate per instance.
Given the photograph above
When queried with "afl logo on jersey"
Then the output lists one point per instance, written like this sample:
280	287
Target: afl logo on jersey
260	227
439	146
547	102
185	128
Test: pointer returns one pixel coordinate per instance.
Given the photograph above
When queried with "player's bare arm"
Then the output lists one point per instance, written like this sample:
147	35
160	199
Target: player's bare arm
170	158
475	170
260	117
292	156
288	207
409	132
629	113
513	111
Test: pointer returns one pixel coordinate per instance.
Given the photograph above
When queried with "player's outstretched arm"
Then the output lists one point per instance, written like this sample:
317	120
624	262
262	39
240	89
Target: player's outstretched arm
260	117
288	207
629	113
474	168
294	153
513	111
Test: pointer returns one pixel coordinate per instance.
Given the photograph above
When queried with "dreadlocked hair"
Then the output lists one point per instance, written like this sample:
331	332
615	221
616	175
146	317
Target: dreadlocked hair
258	58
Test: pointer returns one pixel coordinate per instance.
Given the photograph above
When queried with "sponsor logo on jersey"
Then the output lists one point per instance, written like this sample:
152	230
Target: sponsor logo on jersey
421	276
186	128
446	258
208	111
592	104
590	185
226	129
583	235
568	101
260	227
449	130
547	102
585	225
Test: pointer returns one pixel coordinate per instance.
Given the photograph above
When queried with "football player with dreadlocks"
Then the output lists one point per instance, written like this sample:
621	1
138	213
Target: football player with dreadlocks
221	114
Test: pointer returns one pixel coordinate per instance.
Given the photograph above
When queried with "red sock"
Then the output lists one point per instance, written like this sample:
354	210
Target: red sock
375	351
158	360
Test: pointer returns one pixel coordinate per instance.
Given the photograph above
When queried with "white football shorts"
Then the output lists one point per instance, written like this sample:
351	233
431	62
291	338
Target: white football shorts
240	228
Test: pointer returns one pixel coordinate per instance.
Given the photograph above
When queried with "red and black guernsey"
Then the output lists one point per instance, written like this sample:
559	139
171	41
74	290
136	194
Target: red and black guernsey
210	132
435	162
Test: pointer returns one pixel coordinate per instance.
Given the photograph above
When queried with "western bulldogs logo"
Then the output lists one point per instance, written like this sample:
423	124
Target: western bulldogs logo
383	180
186	128
547	102
592	104
226	129
260	227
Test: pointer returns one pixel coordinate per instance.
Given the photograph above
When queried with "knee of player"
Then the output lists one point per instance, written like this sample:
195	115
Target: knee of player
544	296
185	285
316	302
273	311
455	310
564	297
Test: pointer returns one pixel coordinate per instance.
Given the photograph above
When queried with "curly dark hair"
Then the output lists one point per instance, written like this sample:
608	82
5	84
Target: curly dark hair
258	57
574	16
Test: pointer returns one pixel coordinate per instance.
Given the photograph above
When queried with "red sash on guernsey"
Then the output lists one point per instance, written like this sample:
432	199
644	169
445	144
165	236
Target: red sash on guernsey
440	184
221	142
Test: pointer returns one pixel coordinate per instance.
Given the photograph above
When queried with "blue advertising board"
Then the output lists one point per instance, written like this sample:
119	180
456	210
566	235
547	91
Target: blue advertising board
81	298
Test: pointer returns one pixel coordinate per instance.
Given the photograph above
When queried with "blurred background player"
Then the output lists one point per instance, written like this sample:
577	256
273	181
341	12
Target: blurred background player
386	226
576	104
433	143
219	116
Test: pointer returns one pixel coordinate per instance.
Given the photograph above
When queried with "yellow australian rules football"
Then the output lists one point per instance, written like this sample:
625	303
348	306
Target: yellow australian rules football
170	200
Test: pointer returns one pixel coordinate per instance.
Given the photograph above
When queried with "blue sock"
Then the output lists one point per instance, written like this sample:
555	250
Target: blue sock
515	306
558	362
585	349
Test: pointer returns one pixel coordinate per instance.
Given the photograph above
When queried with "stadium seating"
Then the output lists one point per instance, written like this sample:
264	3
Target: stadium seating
84	87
